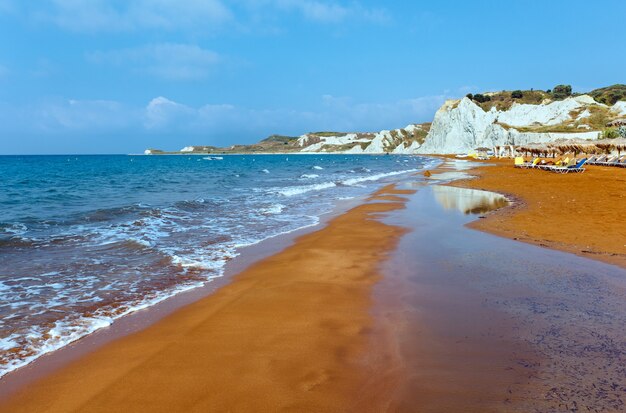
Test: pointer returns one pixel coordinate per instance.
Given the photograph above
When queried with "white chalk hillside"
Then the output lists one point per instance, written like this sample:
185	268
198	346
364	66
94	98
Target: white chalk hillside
404	140
461	126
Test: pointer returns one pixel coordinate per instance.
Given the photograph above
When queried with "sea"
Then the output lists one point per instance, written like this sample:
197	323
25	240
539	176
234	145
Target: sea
87	239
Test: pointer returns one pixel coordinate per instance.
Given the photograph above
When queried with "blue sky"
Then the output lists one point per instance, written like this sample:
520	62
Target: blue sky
119	76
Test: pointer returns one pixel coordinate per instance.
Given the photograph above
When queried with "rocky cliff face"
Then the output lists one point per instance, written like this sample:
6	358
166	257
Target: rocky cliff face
462	126
404	140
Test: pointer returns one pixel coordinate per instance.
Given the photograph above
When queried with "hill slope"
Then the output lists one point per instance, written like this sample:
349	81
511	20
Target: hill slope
463	125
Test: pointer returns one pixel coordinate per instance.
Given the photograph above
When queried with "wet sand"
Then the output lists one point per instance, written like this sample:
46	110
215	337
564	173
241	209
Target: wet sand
394	306
477	323
578	213
289	334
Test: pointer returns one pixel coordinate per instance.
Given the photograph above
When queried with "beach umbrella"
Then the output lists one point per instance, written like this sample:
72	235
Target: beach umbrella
618	144
605	147
575	146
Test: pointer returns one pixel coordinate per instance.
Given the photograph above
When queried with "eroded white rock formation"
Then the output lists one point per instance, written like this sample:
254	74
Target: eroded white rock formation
462	126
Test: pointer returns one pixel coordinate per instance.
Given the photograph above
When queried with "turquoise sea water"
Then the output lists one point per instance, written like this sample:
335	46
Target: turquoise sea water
86	239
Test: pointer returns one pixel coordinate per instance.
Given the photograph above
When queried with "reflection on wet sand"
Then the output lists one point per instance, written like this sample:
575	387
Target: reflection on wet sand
468	201
478	323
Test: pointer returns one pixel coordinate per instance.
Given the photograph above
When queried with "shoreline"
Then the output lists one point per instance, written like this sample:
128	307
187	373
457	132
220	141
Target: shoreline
145	315
332	316
142	318
584	220
379	341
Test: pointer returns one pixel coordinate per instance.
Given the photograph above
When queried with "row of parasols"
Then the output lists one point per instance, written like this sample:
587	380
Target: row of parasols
563	146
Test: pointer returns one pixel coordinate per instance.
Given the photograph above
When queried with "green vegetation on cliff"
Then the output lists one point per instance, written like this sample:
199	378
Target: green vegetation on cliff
609	95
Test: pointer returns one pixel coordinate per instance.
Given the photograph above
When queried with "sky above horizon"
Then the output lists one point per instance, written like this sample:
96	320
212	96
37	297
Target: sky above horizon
119	76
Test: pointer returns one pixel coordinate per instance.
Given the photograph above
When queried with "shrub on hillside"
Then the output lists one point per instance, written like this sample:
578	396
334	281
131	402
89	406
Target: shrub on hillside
481	98
612	97
470	96
562	91
610	133
517	94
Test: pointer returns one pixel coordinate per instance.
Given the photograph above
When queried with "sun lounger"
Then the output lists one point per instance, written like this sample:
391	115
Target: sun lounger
598	160
519	163
608	162
571	168
619	162
558	164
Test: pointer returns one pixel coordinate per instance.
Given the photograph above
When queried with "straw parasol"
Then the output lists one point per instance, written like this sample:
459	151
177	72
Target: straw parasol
609	145
536	149
616	123
576	146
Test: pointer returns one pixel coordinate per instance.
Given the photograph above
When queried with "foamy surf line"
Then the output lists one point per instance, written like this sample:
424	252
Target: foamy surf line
15	352
302	189
64	333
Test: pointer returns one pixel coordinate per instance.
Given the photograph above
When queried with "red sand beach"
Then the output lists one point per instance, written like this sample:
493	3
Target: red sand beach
360	316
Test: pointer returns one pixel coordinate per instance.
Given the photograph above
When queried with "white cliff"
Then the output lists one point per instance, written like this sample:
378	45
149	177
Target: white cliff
619	108
404	140
462	126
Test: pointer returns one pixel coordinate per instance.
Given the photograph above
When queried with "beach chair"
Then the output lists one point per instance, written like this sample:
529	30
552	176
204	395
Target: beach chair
522	164
608	161
598	160
534	163
576	167
619	162
519	161
557	164
565	163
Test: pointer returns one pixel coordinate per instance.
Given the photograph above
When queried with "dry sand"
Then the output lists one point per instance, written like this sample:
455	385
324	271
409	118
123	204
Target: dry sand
288	334
294	332
578	213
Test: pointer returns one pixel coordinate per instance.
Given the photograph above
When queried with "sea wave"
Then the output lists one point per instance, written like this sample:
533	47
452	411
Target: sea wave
95	262
298	190
376	177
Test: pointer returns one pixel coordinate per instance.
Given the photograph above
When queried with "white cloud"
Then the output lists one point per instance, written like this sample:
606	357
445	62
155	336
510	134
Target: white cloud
161	112
324	11
167	124
122	15
82	115
340	114
167	60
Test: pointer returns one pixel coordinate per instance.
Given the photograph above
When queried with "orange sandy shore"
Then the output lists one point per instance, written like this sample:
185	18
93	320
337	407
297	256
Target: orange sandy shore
288	334
294	332
577	213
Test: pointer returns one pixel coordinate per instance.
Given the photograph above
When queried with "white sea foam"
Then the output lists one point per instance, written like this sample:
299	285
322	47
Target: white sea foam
297	190
273	209
376	177
319	168
215	236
